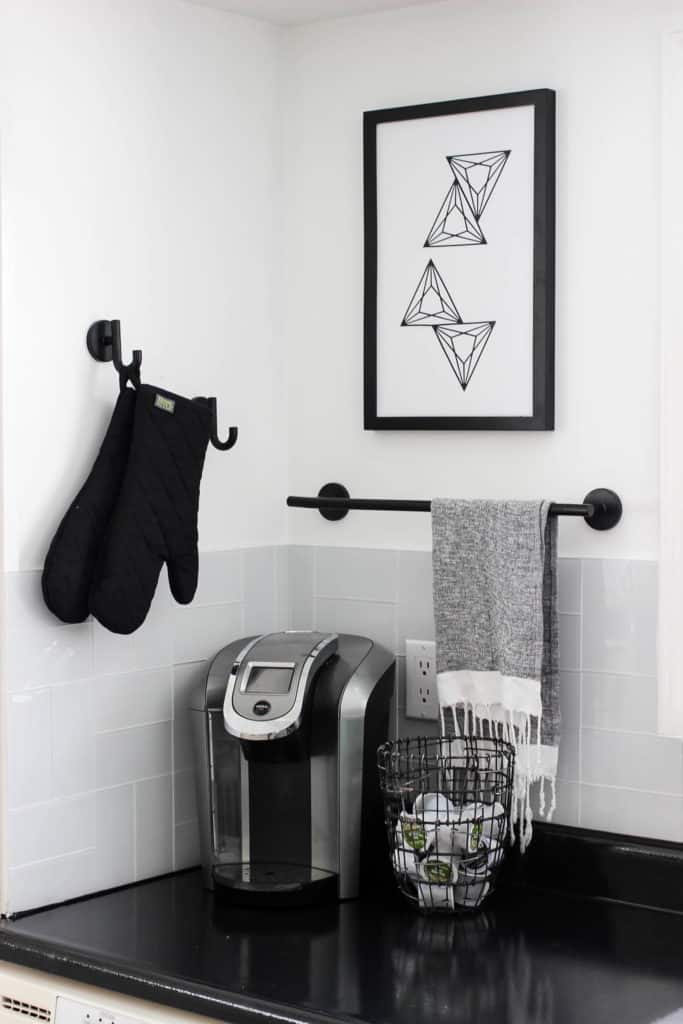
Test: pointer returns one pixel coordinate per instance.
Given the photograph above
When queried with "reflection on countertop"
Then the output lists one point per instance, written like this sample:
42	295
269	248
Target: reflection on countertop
529	959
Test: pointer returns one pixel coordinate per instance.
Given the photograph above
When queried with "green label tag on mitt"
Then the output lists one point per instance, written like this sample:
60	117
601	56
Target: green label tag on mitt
167	404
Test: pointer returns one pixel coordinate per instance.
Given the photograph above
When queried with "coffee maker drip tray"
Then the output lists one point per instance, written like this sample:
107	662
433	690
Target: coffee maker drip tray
273	884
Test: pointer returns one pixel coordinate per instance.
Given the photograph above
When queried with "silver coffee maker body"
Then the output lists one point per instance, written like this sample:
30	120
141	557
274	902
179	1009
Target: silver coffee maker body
286	729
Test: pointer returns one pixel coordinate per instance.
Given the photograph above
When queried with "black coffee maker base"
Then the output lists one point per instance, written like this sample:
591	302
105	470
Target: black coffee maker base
275	885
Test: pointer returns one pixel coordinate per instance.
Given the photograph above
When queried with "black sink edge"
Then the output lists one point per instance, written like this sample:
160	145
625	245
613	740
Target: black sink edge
167	989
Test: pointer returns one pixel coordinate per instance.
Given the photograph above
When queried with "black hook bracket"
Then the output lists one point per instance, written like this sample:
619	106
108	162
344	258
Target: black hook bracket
104	344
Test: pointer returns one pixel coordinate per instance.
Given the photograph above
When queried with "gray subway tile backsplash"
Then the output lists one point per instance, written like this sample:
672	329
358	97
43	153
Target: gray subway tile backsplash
186	845
570	699
624	703
184	796
375	619
153	827
104	718
127	755
115	836
29	753
55	654
569	585
363	574
72	737
568	767
300	570
134	698
200	631
51	829
619	617
220	578
415	612
656	815
632	760
260	595
41	882
150	646
186	679
570	642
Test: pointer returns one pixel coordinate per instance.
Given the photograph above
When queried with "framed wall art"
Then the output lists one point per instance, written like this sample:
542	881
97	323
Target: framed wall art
460	264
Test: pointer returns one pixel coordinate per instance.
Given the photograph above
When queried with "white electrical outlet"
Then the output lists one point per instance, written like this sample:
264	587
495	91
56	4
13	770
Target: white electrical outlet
421	697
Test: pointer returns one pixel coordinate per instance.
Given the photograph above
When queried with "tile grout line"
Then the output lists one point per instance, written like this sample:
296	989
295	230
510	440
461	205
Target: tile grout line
48	860
81	794
631	732
631	789
136	725
359	600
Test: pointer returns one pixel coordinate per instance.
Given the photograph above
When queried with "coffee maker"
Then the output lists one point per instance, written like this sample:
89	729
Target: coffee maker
286	729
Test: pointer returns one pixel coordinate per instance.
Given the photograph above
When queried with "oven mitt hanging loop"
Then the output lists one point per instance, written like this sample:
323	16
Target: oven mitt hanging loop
73	553
155	517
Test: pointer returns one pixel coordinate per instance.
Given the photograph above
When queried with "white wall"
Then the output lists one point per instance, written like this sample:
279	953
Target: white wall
603	60
138	180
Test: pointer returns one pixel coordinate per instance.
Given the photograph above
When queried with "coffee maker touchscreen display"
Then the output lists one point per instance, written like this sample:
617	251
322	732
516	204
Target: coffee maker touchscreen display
270	679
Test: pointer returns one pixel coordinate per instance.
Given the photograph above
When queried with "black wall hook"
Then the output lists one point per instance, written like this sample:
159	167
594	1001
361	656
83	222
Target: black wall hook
104	344
222	446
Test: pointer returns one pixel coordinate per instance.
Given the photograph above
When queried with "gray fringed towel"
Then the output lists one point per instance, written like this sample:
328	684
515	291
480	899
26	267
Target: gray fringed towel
495	609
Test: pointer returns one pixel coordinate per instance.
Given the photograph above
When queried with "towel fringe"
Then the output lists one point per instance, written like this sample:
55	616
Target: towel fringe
517	728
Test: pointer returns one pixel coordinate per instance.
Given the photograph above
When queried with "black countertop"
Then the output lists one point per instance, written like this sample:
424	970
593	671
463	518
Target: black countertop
529	959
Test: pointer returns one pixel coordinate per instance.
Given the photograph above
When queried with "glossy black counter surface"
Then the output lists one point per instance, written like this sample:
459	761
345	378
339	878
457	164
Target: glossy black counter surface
536	959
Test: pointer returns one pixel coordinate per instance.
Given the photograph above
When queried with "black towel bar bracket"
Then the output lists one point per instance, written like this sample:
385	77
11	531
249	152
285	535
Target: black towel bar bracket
104	344
601	508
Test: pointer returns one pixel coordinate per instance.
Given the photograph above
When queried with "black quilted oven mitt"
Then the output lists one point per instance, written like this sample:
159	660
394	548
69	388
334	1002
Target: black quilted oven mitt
73	553
155	518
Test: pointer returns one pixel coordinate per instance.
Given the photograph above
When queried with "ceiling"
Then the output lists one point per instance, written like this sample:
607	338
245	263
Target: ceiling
296	12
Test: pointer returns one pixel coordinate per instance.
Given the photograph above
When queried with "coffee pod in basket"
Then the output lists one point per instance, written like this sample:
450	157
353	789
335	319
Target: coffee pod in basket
438	869
405	862
495	852
445	840
435	897
494	821
434	807
412	834
467	836
473	884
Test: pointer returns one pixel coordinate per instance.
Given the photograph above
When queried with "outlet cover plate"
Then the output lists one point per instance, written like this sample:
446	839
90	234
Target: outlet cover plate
421	696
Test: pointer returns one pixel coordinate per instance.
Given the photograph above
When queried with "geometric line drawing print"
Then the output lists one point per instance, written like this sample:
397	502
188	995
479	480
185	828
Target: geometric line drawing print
478	174
431	303
463	345
455	223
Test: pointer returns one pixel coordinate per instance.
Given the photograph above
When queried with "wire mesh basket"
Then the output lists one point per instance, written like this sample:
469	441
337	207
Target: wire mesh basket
447	805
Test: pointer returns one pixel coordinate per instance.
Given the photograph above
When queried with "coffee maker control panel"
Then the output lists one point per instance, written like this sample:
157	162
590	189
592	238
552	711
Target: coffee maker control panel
266	692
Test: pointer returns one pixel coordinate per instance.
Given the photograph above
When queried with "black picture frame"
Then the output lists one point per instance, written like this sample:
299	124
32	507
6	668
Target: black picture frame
543	315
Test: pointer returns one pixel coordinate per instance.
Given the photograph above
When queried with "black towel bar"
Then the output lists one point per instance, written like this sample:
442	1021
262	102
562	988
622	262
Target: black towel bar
601	508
